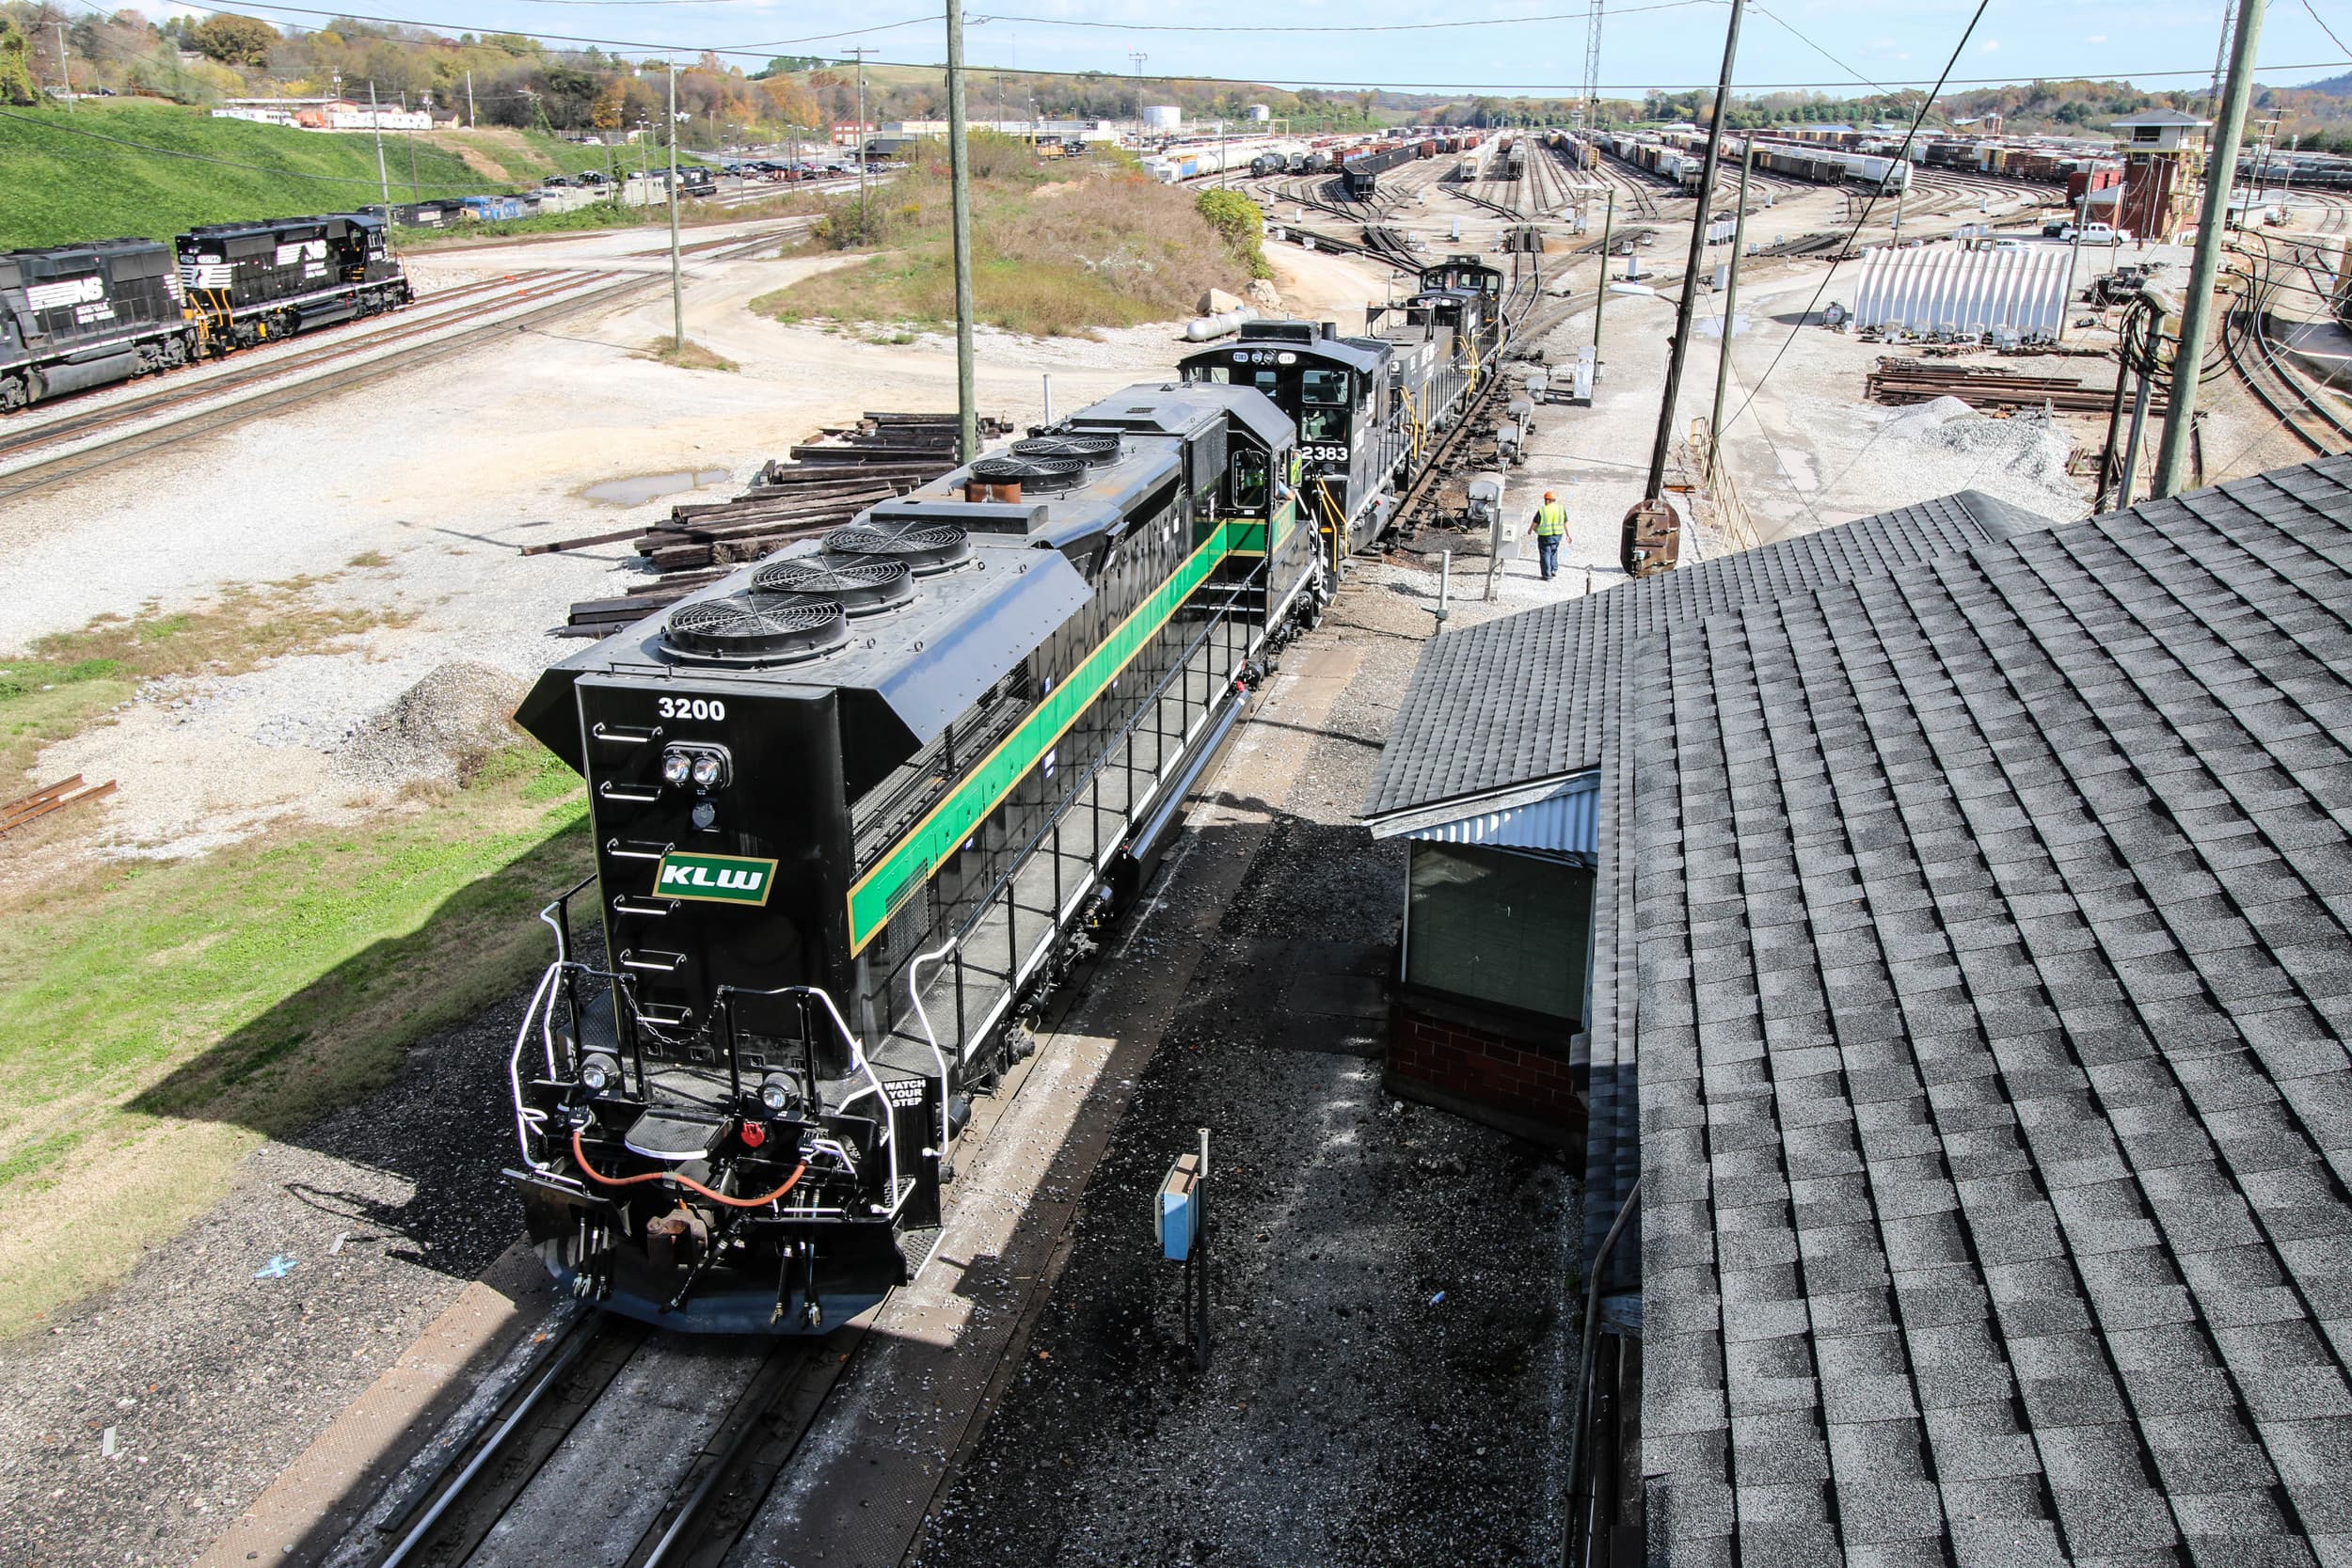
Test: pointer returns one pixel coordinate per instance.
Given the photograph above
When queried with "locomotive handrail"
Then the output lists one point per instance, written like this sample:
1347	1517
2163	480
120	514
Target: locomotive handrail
939	1057
857	1060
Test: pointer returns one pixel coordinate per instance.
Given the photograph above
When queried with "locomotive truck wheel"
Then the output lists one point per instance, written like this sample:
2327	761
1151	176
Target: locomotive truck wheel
14	394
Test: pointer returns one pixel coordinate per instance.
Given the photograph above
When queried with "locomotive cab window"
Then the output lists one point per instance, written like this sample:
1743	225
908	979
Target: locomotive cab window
1247	480
1323	411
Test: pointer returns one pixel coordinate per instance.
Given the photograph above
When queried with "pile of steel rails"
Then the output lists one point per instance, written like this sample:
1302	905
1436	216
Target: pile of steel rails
1900	381
819	486
44	802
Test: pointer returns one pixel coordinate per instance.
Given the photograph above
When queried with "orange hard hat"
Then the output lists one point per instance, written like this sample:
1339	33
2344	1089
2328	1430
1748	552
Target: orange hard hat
1549	497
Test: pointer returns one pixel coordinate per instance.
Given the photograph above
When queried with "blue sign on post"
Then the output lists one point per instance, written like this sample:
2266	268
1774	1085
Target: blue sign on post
1176	1212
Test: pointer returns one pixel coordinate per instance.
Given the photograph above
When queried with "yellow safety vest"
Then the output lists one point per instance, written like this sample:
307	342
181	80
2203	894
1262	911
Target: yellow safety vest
1551	520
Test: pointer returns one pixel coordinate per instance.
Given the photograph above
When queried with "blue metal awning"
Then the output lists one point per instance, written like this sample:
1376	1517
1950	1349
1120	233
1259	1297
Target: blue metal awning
1565	821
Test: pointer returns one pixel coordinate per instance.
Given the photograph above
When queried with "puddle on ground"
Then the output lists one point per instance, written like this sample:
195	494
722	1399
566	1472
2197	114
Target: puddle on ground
637	490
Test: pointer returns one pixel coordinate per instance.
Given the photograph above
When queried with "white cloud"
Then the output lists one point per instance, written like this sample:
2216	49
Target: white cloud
163	11
1991	44
2095	37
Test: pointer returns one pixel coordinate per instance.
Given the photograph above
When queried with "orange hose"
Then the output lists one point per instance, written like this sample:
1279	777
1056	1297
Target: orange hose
580	1156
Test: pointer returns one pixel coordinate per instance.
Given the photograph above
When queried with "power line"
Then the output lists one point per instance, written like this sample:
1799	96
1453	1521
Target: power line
1385	28
1552	88
1902	156
2325	29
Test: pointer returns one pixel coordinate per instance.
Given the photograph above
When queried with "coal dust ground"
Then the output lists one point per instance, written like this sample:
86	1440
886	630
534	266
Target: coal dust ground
1393	1307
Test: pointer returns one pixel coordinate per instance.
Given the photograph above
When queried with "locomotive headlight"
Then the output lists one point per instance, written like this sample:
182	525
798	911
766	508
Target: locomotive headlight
707	770
677	768
600	1073
776	1094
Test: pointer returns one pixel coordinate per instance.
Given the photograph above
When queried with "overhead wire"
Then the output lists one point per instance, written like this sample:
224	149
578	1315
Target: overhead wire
759	49
1902	158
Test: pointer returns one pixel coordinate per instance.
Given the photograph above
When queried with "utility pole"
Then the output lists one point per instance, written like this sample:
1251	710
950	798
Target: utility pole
960	177
1731	304
2197	306
2082	218
65	65
861	52
375	123
1680	347
469	99
1600	295
677	282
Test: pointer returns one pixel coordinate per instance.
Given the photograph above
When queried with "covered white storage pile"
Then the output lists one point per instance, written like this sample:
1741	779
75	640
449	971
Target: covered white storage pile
1948	291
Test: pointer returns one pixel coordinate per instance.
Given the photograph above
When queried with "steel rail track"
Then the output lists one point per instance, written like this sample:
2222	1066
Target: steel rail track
484	1470
215	414
2260	365
76	422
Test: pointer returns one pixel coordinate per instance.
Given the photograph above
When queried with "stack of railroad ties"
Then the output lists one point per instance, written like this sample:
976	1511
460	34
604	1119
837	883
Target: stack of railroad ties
1902	381
818	487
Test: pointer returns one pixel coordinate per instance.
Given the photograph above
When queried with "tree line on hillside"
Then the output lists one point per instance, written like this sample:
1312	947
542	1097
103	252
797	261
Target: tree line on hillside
510	79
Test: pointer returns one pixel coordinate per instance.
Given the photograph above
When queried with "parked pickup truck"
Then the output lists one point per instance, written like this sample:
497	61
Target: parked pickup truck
2093	233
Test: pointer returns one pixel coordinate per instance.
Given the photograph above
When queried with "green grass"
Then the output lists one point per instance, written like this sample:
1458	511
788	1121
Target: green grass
1058	249
157	1019
68	680
60	183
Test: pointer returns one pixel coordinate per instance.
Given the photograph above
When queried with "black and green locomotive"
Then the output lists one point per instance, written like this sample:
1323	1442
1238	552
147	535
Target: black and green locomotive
852	806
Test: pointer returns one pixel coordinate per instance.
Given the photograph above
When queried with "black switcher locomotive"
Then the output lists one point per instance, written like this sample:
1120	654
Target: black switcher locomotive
851	804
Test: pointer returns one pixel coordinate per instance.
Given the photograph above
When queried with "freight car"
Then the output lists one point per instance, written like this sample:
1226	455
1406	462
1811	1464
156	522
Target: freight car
1360	173
853	804
245	284
79	316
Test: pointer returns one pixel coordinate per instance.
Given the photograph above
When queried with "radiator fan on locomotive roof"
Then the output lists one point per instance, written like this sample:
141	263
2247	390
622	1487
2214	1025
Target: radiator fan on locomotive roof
922	548
861	585
1092	450
1006	478
755	628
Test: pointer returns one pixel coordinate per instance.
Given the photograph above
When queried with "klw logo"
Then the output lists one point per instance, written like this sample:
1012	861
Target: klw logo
714	878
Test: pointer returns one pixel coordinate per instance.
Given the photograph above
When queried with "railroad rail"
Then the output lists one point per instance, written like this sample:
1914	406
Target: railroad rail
170	415
27	809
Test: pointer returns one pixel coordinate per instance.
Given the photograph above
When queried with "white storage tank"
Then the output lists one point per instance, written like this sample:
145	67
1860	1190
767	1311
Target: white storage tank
1162	117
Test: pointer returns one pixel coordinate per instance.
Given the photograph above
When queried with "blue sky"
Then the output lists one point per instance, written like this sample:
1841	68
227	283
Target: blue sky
1646	43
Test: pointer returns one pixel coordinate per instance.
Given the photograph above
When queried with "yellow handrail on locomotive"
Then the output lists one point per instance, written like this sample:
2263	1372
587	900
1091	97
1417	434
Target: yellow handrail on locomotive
1336	526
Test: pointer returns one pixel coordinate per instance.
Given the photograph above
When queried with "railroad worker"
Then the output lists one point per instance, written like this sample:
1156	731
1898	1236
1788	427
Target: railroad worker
1550	527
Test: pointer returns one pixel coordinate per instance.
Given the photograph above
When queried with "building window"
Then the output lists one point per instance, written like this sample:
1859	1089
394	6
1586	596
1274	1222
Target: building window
1500	926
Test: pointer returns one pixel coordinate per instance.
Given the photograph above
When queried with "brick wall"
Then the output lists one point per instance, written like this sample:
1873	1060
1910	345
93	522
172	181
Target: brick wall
1512	1074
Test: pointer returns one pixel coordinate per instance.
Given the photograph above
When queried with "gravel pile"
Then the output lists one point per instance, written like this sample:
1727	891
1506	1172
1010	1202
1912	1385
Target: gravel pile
1941	445
436	729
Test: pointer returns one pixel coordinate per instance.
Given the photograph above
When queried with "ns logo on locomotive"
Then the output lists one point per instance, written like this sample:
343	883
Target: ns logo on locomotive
855	804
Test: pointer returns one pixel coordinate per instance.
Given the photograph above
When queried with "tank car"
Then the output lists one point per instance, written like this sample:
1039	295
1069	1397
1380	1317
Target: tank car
850	807
78	316
249	282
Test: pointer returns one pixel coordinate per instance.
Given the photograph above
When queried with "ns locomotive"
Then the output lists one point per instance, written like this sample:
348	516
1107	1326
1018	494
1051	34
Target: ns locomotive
853	806
1367	409
73	317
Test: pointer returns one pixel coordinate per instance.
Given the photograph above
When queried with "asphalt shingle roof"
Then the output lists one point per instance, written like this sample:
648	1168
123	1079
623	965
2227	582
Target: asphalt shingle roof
1488	707
1988	927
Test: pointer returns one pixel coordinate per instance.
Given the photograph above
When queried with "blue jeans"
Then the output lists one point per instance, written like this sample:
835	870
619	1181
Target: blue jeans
1547	553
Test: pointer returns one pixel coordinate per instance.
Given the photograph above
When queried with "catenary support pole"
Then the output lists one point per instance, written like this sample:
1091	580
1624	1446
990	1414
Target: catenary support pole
2197	306
960	176
1731	307
677	278
1680	347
